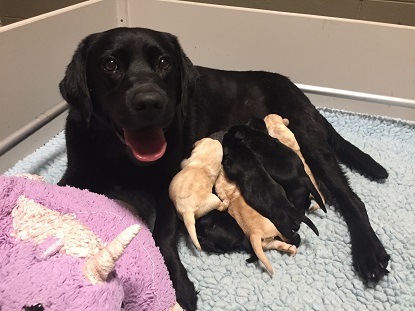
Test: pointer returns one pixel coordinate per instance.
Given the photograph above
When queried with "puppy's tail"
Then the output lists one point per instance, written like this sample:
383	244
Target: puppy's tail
296	214
190	223
316	196
256	243
352	156
309	223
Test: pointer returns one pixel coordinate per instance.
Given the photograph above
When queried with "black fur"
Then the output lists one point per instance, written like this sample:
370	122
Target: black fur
188	103
218	232
280	161
259	190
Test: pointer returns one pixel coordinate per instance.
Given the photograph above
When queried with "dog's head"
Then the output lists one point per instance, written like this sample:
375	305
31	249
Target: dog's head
218	232
137	81
233	137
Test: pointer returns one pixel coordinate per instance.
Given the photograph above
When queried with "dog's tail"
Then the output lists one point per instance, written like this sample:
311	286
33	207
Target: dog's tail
352	156
190	223
256	242
309	223
295	215
316	195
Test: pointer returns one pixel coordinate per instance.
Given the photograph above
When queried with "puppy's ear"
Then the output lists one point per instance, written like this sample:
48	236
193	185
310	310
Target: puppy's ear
239	136
74	86
258	124
189	75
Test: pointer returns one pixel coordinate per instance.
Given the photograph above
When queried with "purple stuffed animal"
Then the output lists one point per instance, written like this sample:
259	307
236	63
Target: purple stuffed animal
62	248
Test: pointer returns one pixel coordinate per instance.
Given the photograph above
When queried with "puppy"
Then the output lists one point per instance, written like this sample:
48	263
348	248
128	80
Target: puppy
278	128
218	232
191	189
260	231
281	162
260	190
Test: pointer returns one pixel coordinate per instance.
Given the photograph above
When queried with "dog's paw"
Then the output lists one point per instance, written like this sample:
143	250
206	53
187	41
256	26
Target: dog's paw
370	258
186	295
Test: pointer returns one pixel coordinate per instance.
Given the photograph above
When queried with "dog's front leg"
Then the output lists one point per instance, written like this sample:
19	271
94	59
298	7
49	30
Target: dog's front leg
370	258
165	233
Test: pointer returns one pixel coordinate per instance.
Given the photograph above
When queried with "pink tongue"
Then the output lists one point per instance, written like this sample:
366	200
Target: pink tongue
147	144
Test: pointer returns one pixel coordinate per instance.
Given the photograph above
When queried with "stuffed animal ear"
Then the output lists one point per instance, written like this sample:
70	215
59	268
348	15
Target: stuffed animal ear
188	72
74	86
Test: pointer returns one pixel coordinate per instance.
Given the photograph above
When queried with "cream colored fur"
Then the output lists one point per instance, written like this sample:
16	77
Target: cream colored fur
260	230
191	189
277	128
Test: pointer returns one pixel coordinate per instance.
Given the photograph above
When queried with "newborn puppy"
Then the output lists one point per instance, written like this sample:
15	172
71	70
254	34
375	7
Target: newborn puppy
191	189
219	233
260	230
277	128
259	189
280	161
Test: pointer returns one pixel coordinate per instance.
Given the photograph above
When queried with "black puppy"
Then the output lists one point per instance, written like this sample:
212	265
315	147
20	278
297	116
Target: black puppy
136	106
259	190
218	232
280	161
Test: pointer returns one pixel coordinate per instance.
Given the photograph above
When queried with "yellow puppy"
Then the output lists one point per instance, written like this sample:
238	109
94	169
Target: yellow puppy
191	189
260	230
277	128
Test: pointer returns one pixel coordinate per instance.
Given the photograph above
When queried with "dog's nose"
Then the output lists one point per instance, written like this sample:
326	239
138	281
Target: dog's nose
150	102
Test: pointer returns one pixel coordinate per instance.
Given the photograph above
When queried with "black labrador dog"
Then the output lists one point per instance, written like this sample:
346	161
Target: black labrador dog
136	106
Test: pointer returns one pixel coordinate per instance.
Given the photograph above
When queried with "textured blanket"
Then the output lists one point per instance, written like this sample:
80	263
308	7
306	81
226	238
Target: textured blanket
320	276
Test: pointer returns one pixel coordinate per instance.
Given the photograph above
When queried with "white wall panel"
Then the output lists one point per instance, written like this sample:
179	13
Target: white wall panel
33	56
331	52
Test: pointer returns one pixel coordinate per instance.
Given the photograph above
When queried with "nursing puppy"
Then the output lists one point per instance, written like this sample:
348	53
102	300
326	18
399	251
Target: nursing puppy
191	188
260	190
280	161
260	230
277	128
218	232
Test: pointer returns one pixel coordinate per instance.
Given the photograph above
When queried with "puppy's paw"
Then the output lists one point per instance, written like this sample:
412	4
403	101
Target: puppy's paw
313	208
295	239
225	205
370	258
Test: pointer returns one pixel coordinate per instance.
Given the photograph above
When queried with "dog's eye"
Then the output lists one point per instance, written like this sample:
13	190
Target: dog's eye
110	64
164	63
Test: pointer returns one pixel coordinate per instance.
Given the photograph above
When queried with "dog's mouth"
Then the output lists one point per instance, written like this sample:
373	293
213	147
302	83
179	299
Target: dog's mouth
146	145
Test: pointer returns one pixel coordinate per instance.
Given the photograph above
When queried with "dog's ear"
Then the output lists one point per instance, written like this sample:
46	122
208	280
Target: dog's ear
258	124
74	86
239	136
188	73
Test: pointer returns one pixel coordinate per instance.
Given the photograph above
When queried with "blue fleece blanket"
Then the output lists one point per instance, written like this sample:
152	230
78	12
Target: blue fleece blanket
320	276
